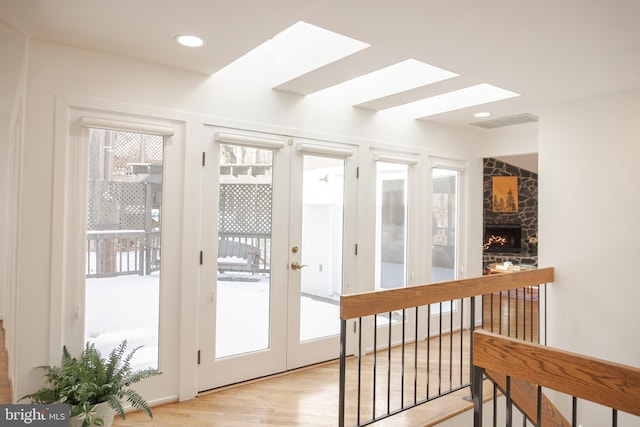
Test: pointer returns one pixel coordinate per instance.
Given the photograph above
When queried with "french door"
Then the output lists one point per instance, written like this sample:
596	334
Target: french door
276	254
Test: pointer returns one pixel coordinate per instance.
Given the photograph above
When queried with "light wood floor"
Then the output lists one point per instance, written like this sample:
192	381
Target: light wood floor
306	397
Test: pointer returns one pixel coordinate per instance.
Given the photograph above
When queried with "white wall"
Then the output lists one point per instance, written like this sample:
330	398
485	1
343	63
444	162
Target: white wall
12	56
588	227
13	59
240	96
508	141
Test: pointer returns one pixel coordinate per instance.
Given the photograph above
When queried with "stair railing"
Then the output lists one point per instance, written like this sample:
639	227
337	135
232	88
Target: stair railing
521	370
393	369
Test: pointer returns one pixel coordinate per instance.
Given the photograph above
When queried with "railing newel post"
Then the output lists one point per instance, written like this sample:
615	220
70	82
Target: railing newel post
476	394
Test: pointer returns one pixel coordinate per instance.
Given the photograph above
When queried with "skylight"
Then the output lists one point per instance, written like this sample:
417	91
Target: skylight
400	77
303	48
483	93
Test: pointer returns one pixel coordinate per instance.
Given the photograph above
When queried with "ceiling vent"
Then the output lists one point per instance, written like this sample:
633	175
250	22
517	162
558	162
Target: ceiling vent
518	119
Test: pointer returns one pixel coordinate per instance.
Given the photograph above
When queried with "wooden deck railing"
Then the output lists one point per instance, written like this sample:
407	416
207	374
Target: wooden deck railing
520	366
400	353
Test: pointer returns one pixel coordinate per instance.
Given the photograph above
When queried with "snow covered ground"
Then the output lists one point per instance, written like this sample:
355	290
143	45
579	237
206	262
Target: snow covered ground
127	307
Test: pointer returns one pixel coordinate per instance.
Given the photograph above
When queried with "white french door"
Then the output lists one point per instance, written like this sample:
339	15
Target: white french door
274	261
322	243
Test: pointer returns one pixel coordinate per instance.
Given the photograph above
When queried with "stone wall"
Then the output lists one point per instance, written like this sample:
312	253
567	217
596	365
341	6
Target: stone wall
527	215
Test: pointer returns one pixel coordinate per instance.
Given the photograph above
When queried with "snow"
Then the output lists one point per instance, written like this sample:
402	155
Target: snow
128	307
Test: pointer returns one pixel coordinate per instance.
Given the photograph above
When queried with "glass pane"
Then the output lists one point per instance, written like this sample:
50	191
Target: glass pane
124	206
445	232
244	247
391	225
445	220
322	226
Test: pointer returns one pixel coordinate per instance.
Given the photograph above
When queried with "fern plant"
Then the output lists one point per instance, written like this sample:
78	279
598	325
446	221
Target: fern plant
90	379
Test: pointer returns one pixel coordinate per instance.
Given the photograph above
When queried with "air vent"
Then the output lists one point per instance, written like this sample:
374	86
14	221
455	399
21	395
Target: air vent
518	119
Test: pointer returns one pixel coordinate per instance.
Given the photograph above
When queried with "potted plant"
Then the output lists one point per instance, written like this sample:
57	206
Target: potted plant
93	386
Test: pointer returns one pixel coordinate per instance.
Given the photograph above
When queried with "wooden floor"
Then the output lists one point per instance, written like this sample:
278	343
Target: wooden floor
306	397
514	314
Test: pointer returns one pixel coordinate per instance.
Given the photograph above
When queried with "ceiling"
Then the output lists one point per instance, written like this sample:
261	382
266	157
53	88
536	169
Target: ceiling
548	51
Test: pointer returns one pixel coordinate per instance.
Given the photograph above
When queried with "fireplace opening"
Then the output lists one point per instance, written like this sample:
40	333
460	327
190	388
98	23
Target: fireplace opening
502	238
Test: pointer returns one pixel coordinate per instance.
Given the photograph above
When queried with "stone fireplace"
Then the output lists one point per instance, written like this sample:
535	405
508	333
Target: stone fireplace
518	229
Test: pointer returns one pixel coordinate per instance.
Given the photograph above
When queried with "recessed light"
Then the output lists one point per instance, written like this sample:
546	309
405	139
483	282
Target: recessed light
189	40
482	114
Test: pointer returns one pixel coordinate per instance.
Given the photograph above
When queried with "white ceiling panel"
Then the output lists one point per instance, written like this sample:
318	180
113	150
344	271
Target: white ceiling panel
547	51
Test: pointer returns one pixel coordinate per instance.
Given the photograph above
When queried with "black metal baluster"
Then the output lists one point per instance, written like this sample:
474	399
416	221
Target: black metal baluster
359	368
415	359
500	314
509	313
491	314
539	408
440	352
389	367
342	380
461	336
451	345
531	314
614	423
428	348
476	394
472	328
495	405
574	412
402	361
517	312
524	314
375	362
509	403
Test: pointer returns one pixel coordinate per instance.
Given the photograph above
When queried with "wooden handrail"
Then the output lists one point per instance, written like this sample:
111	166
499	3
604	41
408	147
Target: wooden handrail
607	383
369	303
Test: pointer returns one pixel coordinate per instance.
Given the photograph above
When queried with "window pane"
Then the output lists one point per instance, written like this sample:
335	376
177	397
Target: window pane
322	231
391	225
444	224
124	206
244	247
445	232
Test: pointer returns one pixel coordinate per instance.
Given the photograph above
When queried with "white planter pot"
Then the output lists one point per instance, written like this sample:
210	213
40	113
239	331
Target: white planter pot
102	410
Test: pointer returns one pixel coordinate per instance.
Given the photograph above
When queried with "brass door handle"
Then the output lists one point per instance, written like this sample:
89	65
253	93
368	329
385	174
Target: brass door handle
296	266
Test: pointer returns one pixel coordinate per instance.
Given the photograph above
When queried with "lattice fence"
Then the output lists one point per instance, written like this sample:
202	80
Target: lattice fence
116	205
124	191
245	209
131	149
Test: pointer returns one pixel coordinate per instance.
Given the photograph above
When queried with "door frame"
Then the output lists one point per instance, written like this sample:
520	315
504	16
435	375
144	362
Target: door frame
73	114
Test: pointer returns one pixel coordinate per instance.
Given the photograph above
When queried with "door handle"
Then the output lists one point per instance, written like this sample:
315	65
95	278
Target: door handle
296	266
